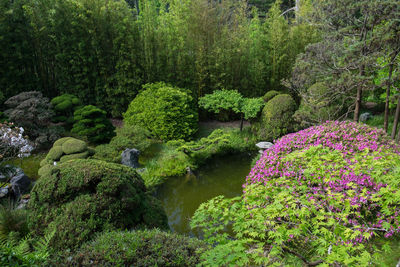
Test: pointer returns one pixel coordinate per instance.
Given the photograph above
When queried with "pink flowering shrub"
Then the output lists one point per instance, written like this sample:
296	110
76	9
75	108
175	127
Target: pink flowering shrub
323	195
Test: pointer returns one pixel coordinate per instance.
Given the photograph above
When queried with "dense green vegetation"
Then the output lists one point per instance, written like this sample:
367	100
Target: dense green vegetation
167	112
185	82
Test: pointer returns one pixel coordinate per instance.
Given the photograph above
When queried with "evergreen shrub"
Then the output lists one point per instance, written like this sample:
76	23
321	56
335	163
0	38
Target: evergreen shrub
33	112
167	112
277	117
129	136
91	122
83	197
64	107
269	95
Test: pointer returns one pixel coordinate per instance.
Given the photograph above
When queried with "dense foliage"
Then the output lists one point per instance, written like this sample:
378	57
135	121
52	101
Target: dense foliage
129	136
82	197
318	196
167	112
277	117
64	107
136	248
33	112
231	101
91	122
63	149
104	51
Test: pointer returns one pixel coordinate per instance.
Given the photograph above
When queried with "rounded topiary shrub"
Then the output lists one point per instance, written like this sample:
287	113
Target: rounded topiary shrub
269	95
82	197
136	248
167	112
277	117
64	149
64	107
92	123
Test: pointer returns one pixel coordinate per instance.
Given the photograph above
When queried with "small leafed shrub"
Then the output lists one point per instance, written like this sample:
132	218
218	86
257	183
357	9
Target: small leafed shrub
33	112
83	197
136	248
326	195
277	117
167	112
269	95
92	123
64	107
129	136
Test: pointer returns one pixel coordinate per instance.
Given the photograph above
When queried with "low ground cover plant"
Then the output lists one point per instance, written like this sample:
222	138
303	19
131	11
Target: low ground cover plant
135	248
324	195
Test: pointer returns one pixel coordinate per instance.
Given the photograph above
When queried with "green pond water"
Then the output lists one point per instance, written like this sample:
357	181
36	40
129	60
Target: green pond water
181	196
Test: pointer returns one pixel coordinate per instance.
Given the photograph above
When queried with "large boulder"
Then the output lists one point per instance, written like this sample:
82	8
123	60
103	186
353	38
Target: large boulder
130	158
82	197
20	184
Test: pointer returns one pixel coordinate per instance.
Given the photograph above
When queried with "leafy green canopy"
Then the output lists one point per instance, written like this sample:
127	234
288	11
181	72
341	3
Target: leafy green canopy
167	112
319	196
91	122
231	100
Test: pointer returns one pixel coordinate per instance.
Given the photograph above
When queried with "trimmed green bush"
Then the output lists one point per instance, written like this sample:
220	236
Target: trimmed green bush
167	112
64	149
136	248
84	197
73	146
92	123
269	95
129	136
64	107
82	155
276	118
54	154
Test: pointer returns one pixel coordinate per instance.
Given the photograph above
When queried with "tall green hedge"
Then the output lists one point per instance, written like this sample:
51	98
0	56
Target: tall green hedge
167	112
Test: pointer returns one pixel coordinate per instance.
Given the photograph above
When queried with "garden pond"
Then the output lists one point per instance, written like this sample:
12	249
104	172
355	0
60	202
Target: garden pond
181	196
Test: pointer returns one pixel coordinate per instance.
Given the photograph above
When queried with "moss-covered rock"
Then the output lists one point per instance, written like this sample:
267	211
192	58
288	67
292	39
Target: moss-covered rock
84	197
277	117
73	146
269	95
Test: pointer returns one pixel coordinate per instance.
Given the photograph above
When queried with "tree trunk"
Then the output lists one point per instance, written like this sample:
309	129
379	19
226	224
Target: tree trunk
358	105
358	98
389	84
396	120
241	122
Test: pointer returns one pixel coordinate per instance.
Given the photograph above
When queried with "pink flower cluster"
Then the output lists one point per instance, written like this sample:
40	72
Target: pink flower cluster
349	139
